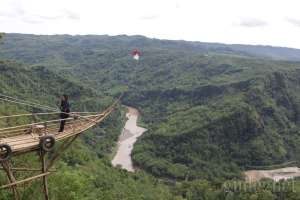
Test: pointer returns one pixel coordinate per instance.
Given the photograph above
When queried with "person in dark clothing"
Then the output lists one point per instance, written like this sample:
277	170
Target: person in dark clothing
65	110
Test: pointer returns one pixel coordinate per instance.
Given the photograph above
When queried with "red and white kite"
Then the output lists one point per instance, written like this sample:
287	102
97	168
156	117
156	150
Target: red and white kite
136	54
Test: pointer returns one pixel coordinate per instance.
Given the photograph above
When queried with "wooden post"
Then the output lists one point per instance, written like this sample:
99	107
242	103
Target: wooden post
44	169
7	168
73	125
45	125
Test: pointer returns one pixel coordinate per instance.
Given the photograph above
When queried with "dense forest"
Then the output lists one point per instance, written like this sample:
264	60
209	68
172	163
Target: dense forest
211	110
85	171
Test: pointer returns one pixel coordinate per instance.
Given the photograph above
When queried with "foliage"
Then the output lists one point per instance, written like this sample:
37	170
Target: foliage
211	112
84	171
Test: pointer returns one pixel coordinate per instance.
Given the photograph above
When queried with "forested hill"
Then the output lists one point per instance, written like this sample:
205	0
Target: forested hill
84	171
33	48
211	111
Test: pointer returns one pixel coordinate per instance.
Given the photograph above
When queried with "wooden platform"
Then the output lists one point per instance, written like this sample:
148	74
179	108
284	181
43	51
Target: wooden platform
32	137
26	138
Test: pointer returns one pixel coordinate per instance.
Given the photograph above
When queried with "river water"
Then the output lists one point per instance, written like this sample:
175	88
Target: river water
127	139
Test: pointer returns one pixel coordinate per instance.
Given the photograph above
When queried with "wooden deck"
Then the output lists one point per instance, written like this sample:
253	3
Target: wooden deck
32	137
25	138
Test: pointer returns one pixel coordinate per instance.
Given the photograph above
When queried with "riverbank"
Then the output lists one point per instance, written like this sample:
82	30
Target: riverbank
126	140
276	174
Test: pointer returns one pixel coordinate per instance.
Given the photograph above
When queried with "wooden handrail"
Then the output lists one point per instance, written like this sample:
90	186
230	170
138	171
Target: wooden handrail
34	114
50	121
50	127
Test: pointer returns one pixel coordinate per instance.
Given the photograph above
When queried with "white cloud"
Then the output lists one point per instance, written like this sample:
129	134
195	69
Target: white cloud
251	23
149	17
272	22
63	14
295	22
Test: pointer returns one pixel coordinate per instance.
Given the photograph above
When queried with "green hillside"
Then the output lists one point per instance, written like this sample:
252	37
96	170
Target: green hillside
211	112
85	171
244	127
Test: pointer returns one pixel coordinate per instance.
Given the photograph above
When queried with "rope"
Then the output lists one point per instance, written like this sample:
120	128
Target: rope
4	97
28	114
33	103
49	113
21	103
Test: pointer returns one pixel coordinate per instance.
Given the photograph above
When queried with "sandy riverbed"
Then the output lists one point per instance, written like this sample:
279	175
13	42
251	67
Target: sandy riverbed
127	139
276	175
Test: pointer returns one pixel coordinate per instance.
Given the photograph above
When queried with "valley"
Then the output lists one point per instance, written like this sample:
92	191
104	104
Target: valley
127	138
210	113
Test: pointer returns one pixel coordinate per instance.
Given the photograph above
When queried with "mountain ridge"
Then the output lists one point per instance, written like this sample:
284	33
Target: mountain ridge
137	41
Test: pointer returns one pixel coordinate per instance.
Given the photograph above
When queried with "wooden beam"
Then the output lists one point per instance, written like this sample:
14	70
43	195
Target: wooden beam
7	168
27	169
24	181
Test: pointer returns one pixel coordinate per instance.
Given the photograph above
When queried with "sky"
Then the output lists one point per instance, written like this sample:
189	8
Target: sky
265	22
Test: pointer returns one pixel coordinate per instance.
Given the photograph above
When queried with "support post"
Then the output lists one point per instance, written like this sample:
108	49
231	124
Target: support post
60	150
7	168
44	169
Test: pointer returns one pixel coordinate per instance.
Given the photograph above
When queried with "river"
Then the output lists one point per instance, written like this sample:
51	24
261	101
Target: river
126	140
131	132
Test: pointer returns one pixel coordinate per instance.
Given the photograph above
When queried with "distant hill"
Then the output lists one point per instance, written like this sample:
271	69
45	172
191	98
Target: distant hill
34	48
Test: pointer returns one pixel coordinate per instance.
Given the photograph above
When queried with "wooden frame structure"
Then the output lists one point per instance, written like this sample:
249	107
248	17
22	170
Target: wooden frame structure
41	137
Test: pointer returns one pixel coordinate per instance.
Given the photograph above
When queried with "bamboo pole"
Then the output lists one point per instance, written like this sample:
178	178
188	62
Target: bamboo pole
24	180
44	168
6	166
24	169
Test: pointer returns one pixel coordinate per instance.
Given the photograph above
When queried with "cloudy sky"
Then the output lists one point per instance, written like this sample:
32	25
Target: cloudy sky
268	22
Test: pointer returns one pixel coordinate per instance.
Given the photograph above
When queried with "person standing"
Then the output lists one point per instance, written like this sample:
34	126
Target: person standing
65	110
